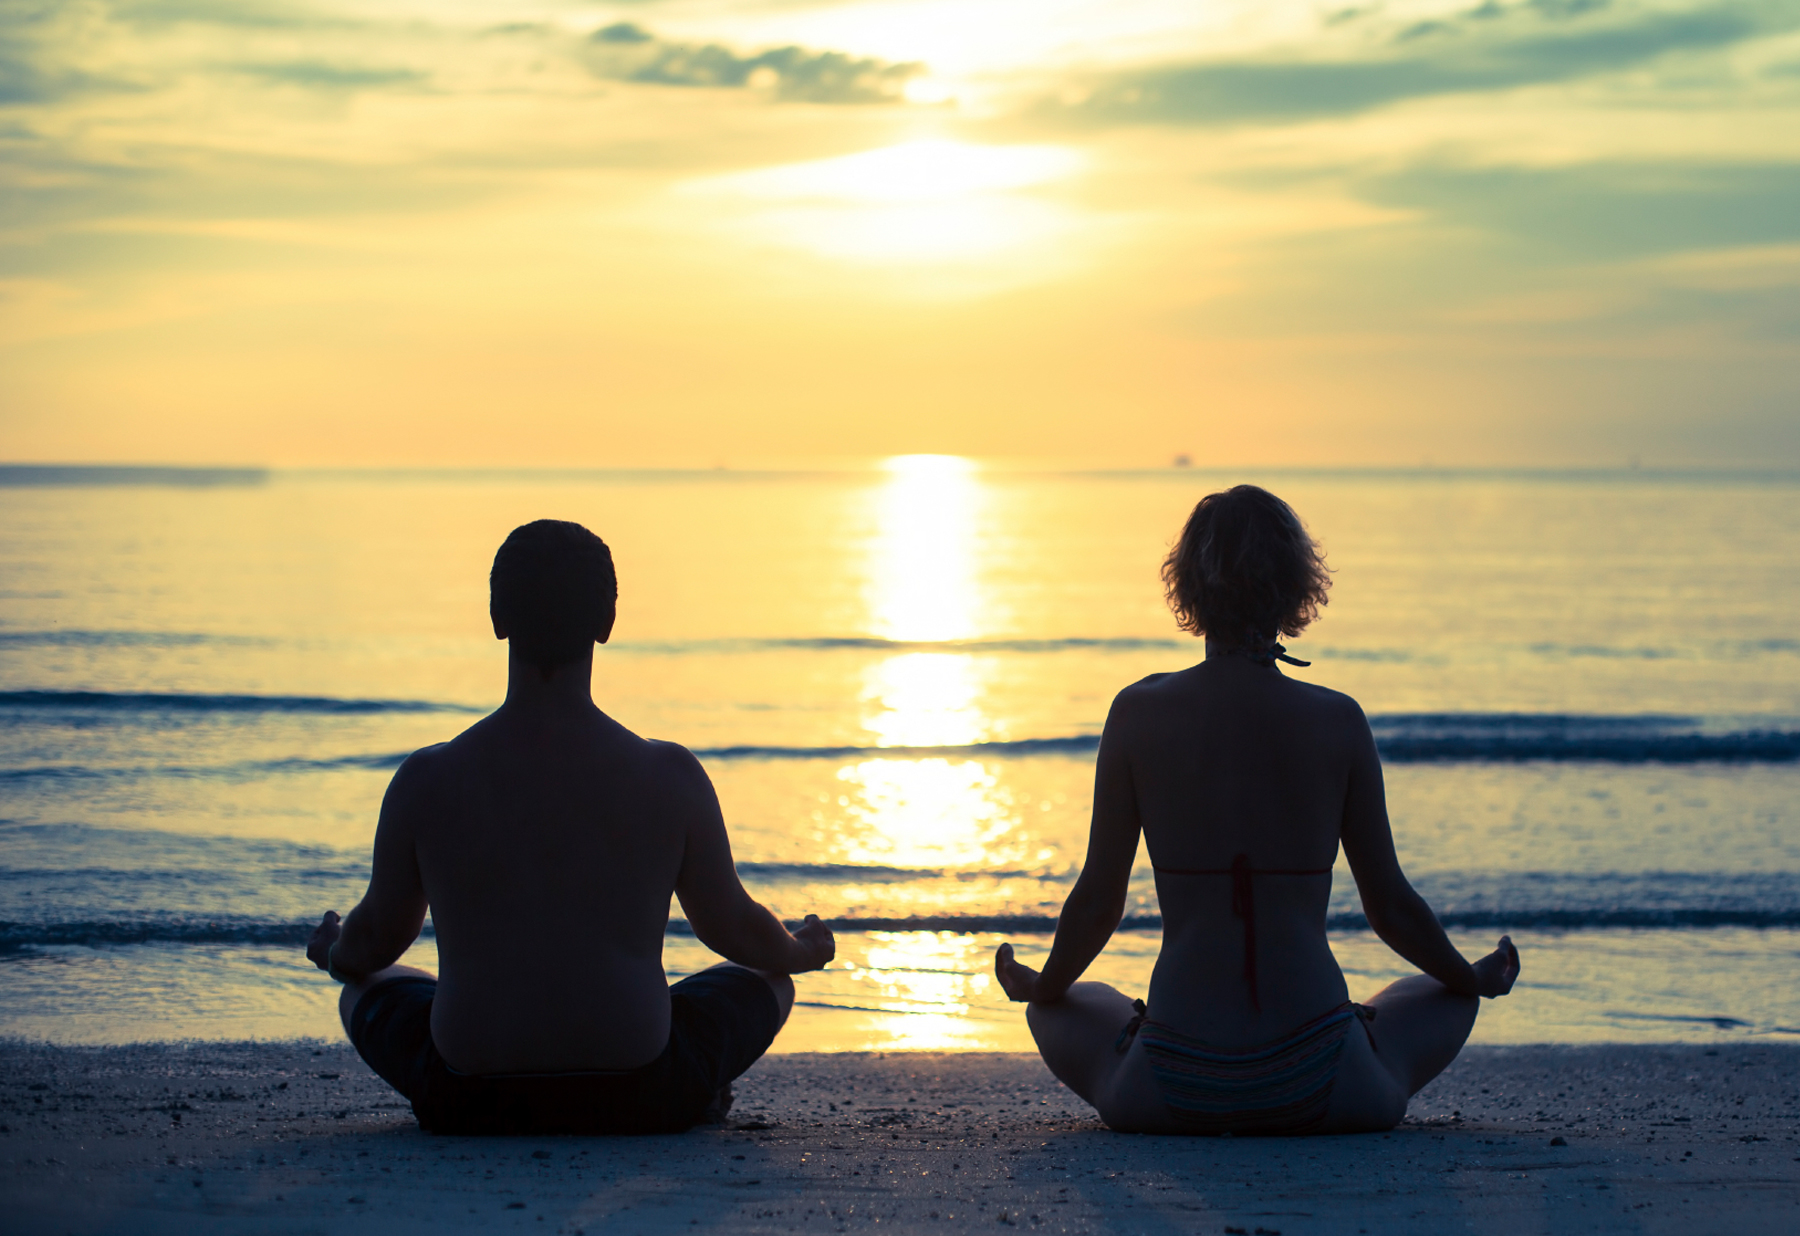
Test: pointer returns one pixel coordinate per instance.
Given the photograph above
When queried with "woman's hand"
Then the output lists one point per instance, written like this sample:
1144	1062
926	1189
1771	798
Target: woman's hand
1496	973
1018	980
318	949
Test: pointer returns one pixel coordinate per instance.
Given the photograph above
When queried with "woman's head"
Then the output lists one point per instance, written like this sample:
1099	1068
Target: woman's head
1245	571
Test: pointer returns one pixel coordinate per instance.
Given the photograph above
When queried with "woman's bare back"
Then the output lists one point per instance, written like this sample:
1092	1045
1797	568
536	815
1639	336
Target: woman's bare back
1228	759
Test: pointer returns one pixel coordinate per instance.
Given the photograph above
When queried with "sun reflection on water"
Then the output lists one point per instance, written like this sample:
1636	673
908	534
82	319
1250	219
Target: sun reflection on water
931	812
928	991
924	585
925	699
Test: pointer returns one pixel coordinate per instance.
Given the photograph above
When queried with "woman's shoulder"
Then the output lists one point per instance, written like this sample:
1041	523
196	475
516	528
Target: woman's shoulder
1327	702
1151	694
1150	682
1145	696
1151	687
1326	697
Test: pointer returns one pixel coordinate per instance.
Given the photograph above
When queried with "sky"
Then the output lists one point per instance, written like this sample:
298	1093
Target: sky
748	232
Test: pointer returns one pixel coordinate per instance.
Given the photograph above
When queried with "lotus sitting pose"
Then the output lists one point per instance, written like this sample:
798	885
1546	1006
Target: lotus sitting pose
1243	783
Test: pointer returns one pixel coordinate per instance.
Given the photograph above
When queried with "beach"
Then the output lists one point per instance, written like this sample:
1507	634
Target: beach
299	1136
899	708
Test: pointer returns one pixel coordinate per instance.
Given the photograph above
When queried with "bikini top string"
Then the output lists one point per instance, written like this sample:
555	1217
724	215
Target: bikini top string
1270	654
1243	903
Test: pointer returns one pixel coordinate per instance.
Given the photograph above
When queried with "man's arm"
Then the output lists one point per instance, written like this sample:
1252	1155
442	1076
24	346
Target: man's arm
723	915
1097	902
1396	912
388	918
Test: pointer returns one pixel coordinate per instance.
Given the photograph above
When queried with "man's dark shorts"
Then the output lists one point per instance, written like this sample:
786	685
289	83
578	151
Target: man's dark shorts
721	1022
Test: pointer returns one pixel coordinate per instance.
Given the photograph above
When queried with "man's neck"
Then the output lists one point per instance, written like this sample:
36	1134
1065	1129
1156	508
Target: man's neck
567	688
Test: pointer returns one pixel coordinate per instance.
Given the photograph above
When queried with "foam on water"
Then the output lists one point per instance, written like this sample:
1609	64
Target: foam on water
934	991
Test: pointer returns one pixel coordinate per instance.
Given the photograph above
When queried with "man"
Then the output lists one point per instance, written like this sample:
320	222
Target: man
546	840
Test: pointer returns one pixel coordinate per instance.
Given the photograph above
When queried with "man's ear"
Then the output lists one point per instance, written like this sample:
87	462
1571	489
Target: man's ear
499	627
606	626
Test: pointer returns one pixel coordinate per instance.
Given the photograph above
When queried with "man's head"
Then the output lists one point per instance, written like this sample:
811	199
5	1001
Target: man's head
552	592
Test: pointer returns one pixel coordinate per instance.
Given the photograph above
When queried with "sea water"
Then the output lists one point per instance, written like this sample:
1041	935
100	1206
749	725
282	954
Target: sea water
1586	688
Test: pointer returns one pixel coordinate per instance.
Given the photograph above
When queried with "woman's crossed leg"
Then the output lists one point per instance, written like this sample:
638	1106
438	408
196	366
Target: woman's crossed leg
1417	1029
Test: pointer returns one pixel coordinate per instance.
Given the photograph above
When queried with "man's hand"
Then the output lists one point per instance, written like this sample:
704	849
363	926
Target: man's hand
318	949
1496	973
817	945
1018	980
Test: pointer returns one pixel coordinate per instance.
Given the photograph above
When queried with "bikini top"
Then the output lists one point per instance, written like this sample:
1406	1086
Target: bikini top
1243	901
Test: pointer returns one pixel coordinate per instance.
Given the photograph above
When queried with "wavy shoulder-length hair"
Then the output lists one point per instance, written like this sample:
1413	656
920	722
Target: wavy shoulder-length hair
1245	570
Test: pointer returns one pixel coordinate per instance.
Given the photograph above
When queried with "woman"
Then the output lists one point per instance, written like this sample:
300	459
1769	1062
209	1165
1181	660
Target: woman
1244	782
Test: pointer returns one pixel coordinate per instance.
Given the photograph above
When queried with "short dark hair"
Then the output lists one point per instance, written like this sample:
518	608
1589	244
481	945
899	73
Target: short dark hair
553	591
1245	570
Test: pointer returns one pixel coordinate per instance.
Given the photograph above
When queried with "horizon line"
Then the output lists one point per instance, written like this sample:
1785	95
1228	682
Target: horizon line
32	474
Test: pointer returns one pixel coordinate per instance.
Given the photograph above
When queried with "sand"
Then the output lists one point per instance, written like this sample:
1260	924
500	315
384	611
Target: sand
301	1137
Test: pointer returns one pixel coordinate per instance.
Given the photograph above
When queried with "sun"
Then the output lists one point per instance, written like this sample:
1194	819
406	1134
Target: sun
925	201
920	171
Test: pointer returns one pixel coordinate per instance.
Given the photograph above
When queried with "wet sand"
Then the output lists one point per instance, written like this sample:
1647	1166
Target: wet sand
301	1137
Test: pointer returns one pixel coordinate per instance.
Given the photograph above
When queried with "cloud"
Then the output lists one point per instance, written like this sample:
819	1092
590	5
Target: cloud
24	82
623	32
627	52
1492	10
253	14
30	70
320	75
1606	212
1489	48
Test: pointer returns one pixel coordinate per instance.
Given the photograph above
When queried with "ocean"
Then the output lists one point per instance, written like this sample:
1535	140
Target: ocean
1586	688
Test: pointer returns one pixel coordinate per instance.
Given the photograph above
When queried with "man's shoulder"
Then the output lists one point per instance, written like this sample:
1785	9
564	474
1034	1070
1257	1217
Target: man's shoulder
654	758
423	766
663	773
671	759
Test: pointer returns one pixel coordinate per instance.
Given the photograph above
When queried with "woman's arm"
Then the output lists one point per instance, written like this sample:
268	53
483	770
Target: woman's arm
1097	902
1396	912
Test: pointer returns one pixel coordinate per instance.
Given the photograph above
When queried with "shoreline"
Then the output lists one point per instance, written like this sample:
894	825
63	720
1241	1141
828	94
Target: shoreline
298	1135
927	991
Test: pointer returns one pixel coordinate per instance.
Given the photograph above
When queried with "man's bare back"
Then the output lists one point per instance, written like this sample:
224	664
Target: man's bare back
546	841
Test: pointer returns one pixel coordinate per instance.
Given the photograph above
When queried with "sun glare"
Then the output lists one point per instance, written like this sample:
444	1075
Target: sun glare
933	981
921	201
921	171
925	813
924	587
911	991
925	699
922	576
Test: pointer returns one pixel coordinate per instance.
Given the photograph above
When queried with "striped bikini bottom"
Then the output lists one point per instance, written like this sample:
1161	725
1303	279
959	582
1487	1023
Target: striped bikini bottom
1281	1087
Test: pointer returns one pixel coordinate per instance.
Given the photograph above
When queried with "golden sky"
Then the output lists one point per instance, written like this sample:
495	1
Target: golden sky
696	232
